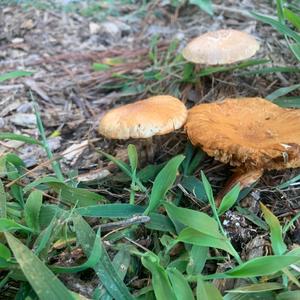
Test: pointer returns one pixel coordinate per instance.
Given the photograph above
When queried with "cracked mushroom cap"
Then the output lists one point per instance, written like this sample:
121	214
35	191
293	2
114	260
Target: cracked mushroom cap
251	133
220	47
145	118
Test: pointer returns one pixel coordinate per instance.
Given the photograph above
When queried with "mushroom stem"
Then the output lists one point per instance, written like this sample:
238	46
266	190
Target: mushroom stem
244	178
197	68
149	149
198	84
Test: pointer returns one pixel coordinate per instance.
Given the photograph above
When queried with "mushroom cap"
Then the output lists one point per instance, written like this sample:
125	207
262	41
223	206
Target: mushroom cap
145	118
251	133
221	47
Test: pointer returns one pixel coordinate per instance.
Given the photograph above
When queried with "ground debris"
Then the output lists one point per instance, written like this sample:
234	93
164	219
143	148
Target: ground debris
85	65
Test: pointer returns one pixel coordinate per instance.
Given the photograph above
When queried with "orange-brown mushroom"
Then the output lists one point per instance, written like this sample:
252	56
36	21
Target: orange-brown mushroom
252	134
145	118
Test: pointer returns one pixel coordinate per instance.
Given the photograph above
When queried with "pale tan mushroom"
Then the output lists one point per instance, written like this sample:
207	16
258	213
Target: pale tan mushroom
221	47
252	134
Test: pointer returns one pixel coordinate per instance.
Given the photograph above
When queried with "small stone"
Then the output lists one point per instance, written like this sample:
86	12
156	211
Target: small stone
23	120
17	40
111	29
25	108
2	123
94	28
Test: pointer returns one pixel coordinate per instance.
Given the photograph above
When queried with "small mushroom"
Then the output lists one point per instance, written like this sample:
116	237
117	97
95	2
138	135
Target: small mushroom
143	119
221	47
252	134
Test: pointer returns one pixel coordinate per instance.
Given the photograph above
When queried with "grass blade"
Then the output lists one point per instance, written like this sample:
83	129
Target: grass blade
71	195
111	211
207	291
194	186
295	48
278	26
194	237
11	225
160	222
197	259
272	70
257	288
93	259
288	225
292	17
249	215
55	164
14	74
43	241
278	245
289	182
149	172
208	190
289	102
205	5
194	219
180	285
123	166
19	137
2	201
104	269
160	282
229	199
133	157
282	92
163	182
40	181
244	64
290	295
42	280
32	210
4	252
121	263
262	266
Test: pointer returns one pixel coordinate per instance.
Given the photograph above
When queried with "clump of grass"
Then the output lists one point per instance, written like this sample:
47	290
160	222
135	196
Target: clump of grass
287	23
167	73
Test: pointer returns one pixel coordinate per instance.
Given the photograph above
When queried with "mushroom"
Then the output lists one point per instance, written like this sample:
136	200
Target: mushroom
221	47
143	119
225	46
252	134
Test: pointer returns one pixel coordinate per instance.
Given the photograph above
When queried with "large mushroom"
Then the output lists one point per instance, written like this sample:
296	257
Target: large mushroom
143	119
252	134
221	47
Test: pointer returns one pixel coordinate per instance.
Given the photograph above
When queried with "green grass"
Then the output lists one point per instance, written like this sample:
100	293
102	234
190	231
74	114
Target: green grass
287	23
167	72
31	227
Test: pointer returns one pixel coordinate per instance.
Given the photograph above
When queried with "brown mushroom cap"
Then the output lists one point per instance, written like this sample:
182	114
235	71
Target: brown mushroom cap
252	133
145	118
221	47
